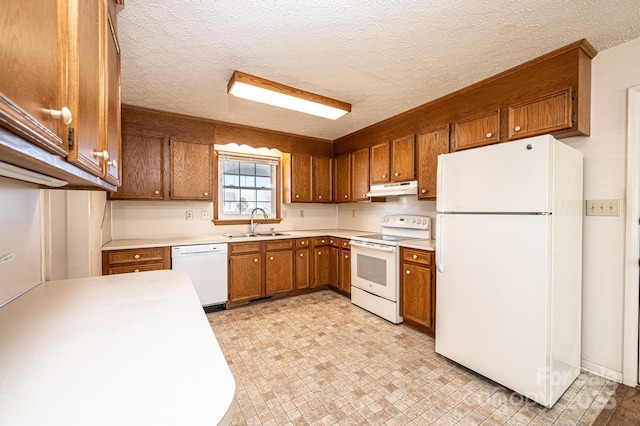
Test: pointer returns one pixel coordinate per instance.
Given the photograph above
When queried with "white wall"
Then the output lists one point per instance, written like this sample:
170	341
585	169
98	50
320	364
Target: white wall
365	216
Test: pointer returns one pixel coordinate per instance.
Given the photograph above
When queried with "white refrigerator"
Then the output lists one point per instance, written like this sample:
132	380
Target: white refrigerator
509	264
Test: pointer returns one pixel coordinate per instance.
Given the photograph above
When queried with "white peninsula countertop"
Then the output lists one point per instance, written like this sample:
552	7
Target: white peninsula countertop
128	349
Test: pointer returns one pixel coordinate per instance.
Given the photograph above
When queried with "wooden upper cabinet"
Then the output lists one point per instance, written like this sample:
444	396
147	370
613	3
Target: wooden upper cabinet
112	137
191	170
33	54
403	160
360	175
143	168
476	131
301	176
546	114
342	176
322	179
429	146
380	161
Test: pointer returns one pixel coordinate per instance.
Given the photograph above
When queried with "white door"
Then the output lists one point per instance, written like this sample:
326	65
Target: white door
491	294
507	177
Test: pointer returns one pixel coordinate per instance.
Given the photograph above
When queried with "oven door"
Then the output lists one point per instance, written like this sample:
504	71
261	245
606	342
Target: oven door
374	269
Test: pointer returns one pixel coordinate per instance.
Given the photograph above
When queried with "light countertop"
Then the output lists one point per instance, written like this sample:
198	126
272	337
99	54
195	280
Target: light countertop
128	349
178	241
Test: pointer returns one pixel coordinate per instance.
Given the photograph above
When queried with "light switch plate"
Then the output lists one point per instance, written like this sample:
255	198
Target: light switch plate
189	215
205	214
603	208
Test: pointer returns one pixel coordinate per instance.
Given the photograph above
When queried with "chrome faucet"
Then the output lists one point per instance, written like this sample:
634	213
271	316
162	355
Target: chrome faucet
253	225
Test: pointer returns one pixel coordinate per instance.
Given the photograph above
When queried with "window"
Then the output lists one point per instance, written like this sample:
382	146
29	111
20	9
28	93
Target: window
247	182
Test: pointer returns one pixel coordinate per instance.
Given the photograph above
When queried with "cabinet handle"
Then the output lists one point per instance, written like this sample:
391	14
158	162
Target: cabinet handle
297	196
104	154
136	270
301	254
424	191
384	176
255	260
489	135
63	114
270	257
156	192
206	194
415	256
112	163
137	256
397	174
517	128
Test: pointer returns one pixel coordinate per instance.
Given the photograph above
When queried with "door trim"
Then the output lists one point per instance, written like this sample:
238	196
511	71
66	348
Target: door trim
631	336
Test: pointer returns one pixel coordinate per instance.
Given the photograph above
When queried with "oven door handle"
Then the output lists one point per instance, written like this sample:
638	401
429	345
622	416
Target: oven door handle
373	246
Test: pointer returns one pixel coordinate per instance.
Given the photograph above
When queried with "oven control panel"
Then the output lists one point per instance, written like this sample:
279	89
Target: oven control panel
406	221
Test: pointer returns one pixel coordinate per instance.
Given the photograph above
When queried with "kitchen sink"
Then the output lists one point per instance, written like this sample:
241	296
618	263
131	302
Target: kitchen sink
249	235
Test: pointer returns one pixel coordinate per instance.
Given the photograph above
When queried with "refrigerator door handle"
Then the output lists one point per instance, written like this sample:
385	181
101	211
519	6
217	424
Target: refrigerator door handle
439	240
439	194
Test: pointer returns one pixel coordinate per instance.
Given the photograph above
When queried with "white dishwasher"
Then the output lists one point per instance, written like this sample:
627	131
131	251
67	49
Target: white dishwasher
206	265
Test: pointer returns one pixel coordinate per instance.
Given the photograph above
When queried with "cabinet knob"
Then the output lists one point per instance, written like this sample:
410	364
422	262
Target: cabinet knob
101	154
255	260
489	135
270	257
319	197
136	270
364	195
301	254
322	241
297	196
517	128
408	272
424	191
301	243
397	174
330	241
137	256
346	256
346	196
206	194
63	114
156	192
112	163
415	256
319	253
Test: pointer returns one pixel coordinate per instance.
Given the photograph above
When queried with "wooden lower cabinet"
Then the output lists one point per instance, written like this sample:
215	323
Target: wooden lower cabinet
344	278
278	276
245	277
135	260
417	289
334	272
302	269
321	265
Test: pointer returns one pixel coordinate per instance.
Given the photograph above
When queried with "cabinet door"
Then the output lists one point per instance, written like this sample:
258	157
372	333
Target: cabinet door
477	131
321	271
88	52
112	106
191	170
334	258
343	178
302	269
345	271
322	179
301	175
142	169
278	272
360	175
416	294
380	163
430	145
245	277
403	160
542	115
33	54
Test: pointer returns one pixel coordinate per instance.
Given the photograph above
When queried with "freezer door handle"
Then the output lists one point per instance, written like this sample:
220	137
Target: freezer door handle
439	241
439	194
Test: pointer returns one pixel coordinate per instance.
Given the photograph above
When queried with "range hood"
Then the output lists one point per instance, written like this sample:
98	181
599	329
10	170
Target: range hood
18	173
391	189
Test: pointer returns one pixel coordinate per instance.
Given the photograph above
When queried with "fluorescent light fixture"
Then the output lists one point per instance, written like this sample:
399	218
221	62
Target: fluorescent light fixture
13	172
258	89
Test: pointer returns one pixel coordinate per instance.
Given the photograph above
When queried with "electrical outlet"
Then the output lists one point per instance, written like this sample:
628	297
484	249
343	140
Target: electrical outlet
205	214
189	215
603	208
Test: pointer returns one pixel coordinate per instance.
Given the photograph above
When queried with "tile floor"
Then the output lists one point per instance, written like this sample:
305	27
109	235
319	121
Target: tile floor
318	359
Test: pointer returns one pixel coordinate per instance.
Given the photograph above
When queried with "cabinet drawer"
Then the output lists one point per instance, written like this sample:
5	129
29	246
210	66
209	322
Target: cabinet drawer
137	268
321	241
303	242
239	248
344	243
417	256
117	257
278	245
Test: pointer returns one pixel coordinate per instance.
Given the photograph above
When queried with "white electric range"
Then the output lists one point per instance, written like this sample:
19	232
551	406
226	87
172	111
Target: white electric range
375	260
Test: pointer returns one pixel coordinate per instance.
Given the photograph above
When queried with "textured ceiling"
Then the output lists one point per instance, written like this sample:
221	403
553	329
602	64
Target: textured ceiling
382	56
